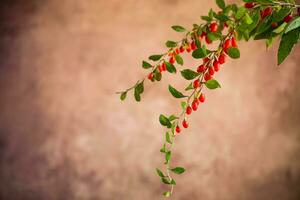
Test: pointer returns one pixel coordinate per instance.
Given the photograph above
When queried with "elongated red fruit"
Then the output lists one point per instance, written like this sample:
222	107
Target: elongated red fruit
185	124
213	27
189	110
202	98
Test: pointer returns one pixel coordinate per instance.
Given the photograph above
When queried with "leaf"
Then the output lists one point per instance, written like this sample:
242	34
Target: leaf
137	96
175	92
280	28
212	84
178	170
183	105
293	25
172	117
164	121
178	28
241	12
167	194
171	44
157	75
139	89
123	96
168	156
264	1
155	57
179	59
234	52
189	87
163	149
170	68
280	15
199	53
146	65
248	19
189	74
159	173
168	138
287	43
165	181
173	182
221	4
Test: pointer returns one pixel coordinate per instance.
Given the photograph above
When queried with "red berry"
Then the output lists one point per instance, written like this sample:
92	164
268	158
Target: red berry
151	76
188	49
193	46
222	58
227	44
207	77
211	71
208	41
171	54
164	67
202	98
177	51
178	129
185	124
206	60
267	11
172	60
189	110
216	65
249	5
234	42
213	27
201	69
160	69
203	34
288	18
181	49
195	104
196	83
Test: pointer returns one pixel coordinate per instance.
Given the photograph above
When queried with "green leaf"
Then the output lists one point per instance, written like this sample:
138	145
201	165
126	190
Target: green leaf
189	87
164	121
172	117
178	170
280	15
168	138
198	43
165	180
287	43
183	105
212	84
175	92
234	52
146	65
159	173
189	74
155	57
264	1
139	89
157	75
170	68
280	28
163	149
168	156
173	182
221	4
199	53
264	25
248	19
179	59
167	194
293	25
241	12
171	44
178	28
123	96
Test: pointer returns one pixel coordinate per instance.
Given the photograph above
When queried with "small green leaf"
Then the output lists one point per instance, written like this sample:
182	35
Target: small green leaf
189	87
280	28
287	43
221	4
248	19
155	57
172	117
146	65
168	138
183	105
173	182
212	84
179	59
139	89
189	74
163	149
178	28
175	92
167	194
171	44
164	121
198	43
159	173
168	156
178	170
123	96
280	15
293	25
157	75
199	53
241	12
165	180
137	96
234	52
170	68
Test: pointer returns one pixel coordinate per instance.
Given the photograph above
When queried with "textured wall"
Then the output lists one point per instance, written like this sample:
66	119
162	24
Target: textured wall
65	135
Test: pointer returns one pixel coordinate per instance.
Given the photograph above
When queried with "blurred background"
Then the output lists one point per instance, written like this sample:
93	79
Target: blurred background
64	134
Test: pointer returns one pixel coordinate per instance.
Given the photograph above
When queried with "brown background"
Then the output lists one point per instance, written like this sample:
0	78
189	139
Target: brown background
64	134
